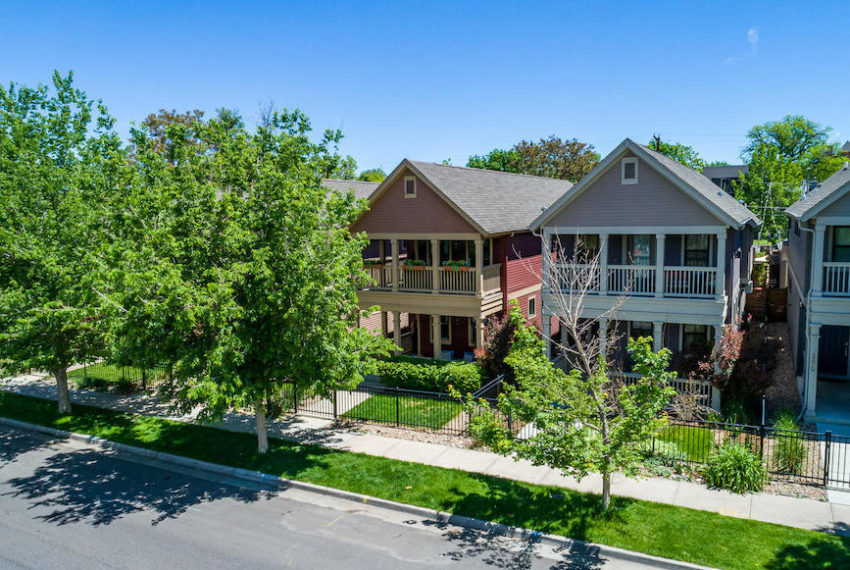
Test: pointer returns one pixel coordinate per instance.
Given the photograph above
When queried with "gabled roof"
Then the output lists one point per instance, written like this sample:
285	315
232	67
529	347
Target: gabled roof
821	196
493	202
726	171
697	186
361	188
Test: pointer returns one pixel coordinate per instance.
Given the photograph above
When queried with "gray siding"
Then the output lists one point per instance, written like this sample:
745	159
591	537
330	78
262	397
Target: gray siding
653	201
840	207
799	257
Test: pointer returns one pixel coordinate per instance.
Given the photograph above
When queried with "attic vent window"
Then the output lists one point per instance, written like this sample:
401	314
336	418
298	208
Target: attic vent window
409	187
629	171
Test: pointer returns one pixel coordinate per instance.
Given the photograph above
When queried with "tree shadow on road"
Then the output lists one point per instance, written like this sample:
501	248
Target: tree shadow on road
517	550
98	488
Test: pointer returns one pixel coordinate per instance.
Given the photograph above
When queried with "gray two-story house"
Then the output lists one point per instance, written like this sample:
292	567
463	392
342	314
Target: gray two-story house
818	254
674	250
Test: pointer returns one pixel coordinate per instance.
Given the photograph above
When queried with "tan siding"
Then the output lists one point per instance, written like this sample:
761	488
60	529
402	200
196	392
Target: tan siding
840	207
653	201
427	213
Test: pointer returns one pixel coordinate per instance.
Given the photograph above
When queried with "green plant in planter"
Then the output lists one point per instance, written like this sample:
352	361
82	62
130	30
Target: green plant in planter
414	263
373	262
736	467
789	451
457	265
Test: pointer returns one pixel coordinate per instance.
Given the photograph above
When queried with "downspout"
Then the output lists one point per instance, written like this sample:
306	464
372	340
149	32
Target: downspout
803	408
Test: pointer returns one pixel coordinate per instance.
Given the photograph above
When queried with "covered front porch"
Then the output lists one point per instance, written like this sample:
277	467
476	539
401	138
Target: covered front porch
443	337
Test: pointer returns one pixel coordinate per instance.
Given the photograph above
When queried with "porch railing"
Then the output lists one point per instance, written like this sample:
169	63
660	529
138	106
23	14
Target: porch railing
836	279
381	275
458	280
631	279
567	275
415	279
690	281
421	279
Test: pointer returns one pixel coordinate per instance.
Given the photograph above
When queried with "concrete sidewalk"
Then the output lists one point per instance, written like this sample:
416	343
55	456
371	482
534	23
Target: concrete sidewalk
832	516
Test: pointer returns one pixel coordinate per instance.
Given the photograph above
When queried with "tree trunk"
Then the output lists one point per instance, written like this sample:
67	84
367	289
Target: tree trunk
63	395
606	491
262	434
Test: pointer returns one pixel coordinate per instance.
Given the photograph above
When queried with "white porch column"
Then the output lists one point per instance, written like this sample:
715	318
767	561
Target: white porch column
720	287
385	329
603	264
435	266
657	335
479	266
381	253
817	260
435	337
397	331
395	268
812	347
546	325
479	332
659	265
603	338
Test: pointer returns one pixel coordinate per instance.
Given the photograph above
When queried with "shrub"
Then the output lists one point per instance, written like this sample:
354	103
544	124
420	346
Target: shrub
789	452
734	466
464	377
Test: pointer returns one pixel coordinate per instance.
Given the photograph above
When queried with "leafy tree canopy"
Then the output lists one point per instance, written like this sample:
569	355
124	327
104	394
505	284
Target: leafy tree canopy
60	160
553	157
372	175
680	153
236	265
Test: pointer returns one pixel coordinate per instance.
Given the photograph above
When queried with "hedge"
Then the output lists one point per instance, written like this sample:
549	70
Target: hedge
464	376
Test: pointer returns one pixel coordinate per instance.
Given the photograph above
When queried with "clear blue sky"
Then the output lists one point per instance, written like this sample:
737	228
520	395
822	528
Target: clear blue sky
433	80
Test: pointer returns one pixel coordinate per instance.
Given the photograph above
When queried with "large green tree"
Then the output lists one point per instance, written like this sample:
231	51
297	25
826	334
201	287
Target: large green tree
237	266
552	157
372	175
679	152
781	155
59	162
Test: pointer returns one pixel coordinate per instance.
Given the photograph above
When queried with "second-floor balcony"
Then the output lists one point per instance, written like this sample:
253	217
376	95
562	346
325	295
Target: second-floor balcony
836	279
637	280
447	279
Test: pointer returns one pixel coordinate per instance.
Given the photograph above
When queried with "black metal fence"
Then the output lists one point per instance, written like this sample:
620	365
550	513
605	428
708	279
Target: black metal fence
105	376
389	406
805	457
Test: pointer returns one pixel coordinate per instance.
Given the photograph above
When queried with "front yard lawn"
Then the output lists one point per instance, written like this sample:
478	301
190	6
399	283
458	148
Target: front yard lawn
412	410
664	530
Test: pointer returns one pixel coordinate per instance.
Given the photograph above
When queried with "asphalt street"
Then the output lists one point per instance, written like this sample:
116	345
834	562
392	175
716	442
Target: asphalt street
66	505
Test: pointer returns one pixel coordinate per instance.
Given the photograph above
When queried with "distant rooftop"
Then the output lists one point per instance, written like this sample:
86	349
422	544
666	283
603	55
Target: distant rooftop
362	189
729	171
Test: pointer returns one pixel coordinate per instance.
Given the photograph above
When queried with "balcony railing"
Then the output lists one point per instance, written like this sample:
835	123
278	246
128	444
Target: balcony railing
631	279
836	279
690	281
421	279
639	280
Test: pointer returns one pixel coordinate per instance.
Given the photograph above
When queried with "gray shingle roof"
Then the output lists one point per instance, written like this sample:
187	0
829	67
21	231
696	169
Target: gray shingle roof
361	188
806	207
729	171
498	202
737	211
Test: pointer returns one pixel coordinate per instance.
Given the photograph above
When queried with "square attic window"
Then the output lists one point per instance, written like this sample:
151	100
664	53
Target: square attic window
629	171
409	187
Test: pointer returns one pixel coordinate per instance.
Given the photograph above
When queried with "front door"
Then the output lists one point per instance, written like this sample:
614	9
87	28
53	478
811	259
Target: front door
833	351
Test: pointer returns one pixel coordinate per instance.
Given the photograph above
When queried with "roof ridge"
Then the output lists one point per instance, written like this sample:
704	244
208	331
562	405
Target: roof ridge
489	170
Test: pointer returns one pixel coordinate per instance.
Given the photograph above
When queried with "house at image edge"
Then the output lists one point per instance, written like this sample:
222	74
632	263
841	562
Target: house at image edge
818	254
674	249
450	246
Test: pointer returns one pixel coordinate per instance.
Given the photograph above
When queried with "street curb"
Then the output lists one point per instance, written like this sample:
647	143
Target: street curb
462	521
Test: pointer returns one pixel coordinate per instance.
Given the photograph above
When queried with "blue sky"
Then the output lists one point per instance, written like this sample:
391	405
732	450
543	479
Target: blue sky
434	80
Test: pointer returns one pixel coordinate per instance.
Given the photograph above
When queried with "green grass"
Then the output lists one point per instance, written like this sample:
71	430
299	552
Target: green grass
412	411
694	442
674	532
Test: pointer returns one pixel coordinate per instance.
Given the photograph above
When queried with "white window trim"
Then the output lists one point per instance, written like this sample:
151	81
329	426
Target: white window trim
406	195
623	163
530	300
444	340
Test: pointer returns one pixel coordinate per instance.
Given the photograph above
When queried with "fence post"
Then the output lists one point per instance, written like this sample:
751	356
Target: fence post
510	422
761	441
334	404
827	439
294	397
144	379
397	414
85	371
